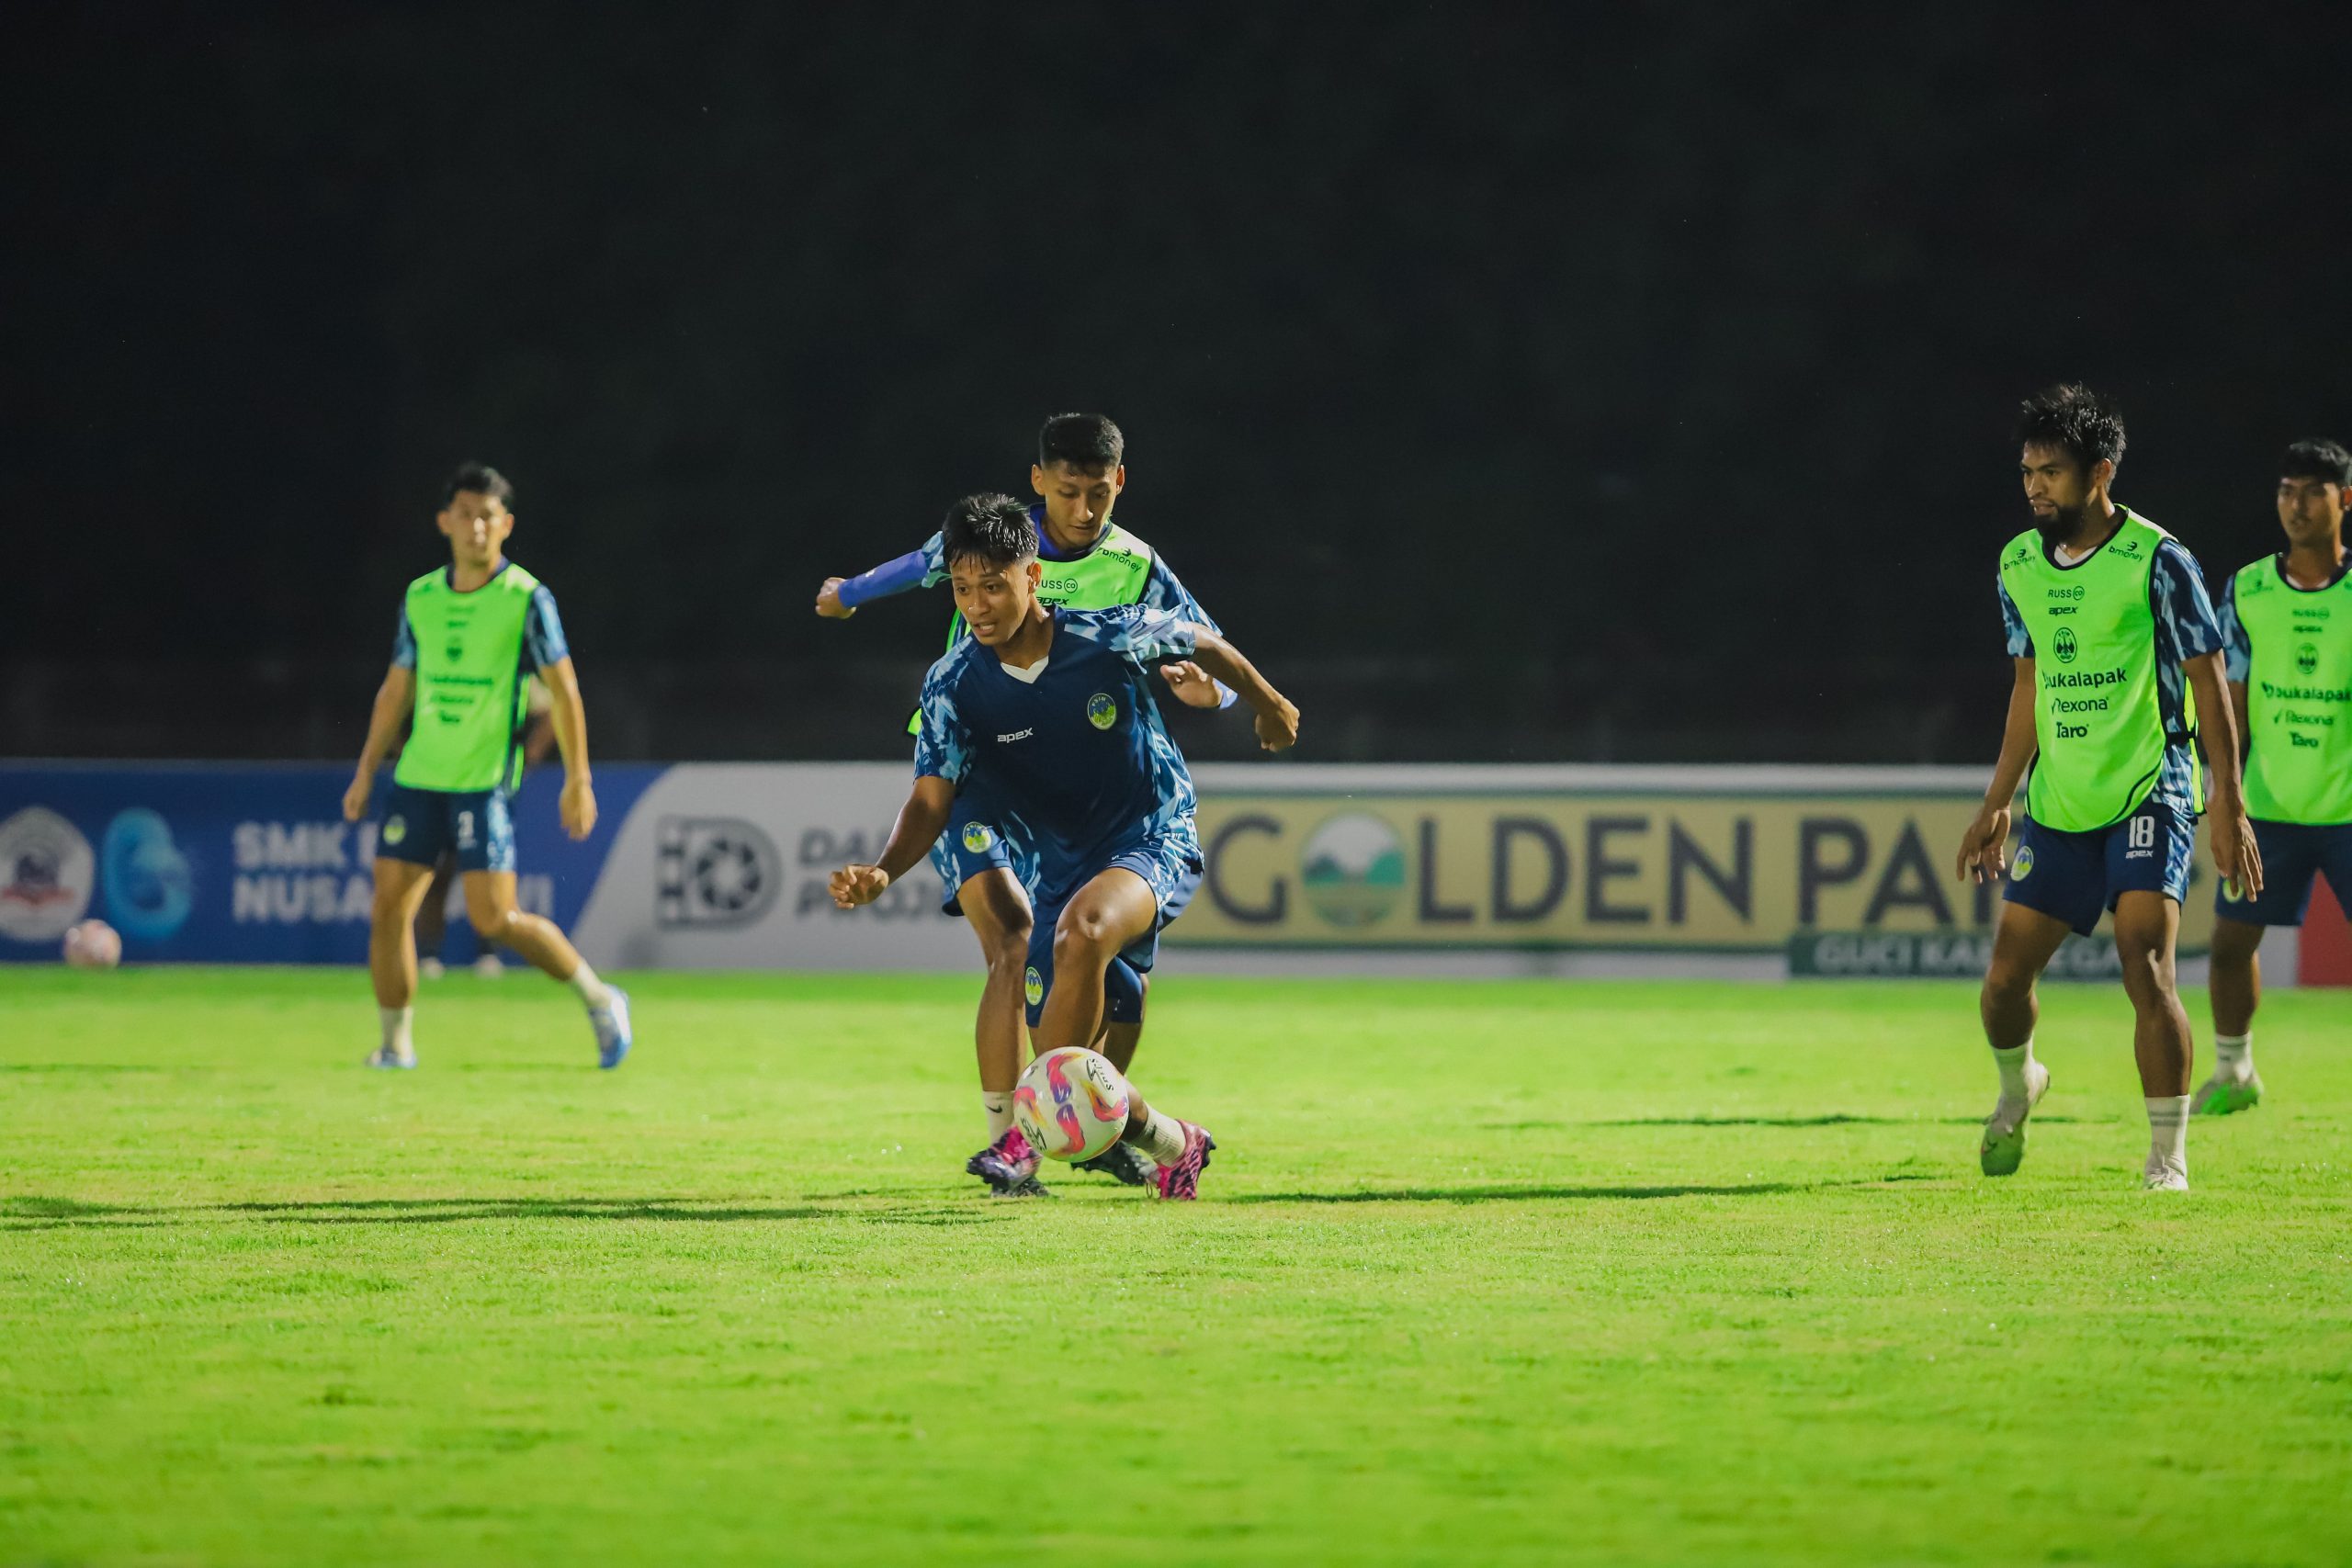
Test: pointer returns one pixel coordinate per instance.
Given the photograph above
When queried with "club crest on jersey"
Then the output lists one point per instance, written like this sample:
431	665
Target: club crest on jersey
2023	868
395	829
1100	711
1032	986
2307	659
2064	644
978	838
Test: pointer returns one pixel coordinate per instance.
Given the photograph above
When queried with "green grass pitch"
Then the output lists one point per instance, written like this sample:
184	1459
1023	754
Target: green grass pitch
1484	1273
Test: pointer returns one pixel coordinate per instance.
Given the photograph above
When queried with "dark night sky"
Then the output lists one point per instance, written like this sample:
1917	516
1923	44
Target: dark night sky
1648	369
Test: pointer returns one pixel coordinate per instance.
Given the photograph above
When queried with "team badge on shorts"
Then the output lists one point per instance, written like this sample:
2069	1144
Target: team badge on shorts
1100	711
1032	986
978	838
395	829
2023	867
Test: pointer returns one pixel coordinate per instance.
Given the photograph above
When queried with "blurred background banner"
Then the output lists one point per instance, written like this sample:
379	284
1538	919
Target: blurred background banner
723	865
247	863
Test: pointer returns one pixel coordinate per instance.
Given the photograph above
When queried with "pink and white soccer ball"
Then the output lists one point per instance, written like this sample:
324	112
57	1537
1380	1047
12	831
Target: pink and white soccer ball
93	945
1071	1104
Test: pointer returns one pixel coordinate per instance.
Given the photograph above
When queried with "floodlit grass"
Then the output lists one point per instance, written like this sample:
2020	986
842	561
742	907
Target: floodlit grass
1483	1272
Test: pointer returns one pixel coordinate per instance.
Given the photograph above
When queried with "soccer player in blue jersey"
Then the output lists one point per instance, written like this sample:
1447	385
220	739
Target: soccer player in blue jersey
1089	562
1046	716
2118	663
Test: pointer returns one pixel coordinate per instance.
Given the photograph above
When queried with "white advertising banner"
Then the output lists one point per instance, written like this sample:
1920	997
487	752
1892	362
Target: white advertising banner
723	866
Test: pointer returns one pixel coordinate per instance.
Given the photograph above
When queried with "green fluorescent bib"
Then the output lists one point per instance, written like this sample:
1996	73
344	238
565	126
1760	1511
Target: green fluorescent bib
471	694
2298	697
1111	574
2094	711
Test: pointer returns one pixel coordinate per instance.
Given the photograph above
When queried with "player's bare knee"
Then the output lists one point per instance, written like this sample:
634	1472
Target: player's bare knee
2006	985
1081	933
491	925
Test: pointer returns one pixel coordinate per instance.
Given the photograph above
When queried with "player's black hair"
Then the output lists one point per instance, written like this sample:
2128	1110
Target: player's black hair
2317	460
481	479
1087	442
2073	417
991	528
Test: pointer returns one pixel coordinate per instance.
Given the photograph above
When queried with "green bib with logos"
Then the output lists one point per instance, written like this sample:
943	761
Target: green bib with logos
2298	696
2096	712
1111	574
472	695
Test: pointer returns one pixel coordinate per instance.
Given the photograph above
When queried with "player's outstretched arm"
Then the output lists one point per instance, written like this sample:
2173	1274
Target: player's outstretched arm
1277	714
920	822
577	804
839	598
2234	852
1984	849
395	700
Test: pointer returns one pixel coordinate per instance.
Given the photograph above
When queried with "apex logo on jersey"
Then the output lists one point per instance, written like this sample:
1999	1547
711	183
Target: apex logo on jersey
978	838
1100	711
2023	866
1032	986
2064	645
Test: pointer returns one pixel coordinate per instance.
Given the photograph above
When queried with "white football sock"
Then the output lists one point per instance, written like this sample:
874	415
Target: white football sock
1161	1137
593	991
397	1023
2011	1061
999	1105
2168	1129
2234	1055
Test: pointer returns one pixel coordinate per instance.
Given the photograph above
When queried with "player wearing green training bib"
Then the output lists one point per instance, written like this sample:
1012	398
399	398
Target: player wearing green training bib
2116	663
2287	633
472	638
1087	562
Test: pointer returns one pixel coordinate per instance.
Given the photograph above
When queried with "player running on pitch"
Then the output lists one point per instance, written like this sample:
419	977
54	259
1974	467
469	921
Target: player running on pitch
2287	635
1047	718
2111	632
470	636
1091	563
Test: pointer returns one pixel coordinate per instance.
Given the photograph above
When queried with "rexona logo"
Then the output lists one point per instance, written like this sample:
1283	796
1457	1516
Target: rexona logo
1353	869
2064	645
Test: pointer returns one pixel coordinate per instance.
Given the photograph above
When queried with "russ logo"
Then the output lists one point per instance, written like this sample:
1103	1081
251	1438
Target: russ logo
2064	645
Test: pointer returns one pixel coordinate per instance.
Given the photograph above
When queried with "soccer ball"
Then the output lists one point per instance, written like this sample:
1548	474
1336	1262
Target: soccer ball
93	945
1071	1104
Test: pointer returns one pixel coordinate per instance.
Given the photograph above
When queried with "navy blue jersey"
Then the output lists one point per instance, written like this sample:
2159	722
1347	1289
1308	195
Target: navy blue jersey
1070	754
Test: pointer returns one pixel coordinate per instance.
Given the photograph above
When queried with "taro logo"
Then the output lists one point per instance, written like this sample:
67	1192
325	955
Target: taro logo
1353	869
2064	645
2307	660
